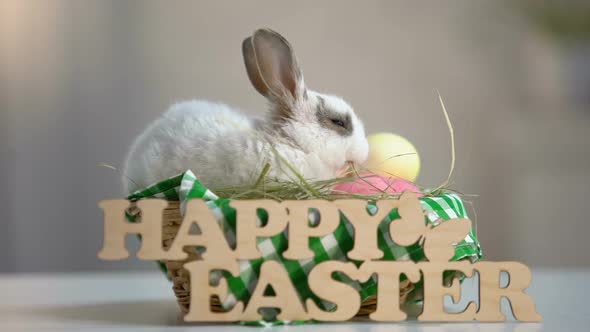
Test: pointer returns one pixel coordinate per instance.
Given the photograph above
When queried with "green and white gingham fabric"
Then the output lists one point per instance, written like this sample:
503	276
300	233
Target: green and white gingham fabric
330	247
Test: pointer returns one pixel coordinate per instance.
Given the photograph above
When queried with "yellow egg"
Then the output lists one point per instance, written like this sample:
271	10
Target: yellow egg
391	154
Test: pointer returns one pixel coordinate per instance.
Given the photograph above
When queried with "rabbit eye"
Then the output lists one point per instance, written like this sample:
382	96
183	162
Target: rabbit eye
338	122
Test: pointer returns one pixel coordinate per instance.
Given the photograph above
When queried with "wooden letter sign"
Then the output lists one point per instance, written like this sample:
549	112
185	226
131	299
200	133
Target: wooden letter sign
294	216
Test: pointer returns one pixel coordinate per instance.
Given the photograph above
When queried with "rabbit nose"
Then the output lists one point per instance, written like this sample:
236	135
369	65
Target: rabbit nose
359	154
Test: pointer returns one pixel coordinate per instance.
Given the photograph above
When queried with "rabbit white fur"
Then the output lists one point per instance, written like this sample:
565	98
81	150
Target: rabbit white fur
317	134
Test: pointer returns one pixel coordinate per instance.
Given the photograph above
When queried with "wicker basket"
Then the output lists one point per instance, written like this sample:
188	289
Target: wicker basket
181	278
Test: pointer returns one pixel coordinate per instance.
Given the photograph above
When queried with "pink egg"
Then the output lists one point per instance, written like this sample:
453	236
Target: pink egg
369	184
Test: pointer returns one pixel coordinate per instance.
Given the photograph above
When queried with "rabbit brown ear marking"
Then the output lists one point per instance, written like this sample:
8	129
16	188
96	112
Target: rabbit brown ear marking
252	67
277	66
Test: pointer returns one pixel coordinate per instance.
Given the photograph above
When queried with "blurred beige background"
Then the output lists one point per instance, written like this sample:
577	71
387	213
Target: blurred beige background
80	79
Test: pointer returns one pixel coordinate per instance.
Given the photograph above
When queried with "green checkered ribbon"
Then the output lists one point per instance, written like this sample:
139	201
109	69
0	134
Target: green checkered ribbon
334	246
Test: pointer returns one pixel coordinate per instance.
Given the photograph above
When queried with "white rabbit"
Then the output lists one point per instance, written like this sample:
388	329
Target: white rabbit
316	134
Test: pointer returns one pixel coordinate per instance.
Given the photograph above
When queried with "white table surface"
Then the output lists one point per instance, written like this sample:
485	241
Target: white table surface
138	301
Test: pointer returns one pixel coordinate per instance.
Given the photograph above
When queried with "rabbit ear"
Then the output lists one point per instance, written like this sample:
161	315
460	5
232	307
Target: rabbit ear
252	67
272	67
